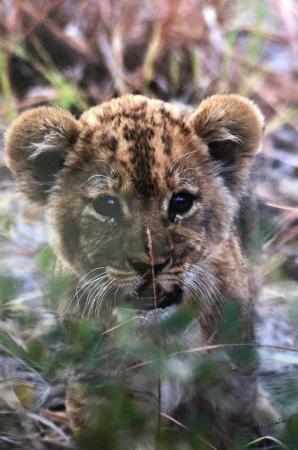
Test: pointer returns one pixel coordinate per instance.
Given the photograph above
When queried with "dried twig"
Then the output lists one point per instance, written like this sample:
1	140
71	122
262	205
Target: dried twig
149	242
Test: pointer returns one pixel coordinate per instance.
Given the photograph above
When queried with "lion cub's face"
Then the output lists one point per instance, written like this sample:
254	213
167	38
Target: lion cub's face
135	190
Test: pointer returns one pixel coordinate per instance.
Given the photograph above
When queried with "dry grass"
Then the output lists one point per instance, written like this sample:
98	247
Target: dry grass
172	49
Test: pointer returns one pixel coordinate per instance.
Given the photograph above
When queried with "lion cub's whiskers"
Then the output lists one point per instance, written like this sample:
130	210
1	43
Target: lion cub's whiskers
84	285
201	284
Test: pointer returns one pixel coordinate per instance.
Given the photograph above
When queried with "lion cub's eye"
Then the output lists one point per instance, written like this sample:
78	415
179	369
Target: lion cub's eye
107	206
180	203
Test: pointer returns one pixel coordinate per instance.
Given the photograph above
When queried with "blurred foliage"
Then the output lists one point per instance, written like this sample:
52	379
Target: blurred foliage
45	260
8	288
80	53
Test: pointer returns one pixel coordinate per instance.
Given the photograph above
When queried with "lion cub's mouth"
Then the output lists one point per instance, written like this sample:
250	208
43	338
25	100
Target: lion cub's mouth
162	299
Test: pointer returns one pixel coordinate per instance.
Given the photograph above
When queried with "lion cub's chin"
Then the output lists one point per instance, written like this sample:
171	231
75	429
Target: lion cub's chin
144	317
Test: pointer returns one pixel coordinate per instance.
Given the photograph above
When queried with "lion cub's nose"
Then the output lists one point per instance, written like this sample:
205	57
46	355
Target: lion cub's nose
142	264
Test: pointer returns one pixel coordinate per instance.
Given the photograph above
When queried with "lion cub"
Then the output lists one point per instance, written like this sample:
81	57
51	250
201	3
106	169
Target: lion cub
142	201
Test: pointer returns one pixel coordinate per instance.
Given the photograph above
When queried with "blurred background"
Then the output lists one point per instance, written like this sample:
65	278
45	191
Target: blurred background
75	54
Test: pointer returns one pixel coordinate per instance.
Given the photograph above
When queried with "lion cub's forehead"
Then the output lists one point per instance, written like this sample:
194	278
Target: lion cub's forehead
143	140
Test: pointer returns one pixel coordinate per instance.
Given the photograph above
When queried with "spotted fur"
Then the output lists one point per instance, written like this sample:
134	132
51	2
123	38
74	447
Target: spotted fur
142	151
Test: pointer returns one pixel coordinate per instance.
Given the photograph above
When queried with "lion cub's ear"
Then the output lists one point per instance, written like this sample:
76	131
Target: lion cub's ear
36	146
232	127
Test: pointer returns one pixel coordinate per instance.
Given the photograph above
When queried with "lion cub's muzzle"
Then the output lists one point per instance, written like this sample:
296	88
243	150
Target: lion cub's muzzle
150	294
143	265
148	298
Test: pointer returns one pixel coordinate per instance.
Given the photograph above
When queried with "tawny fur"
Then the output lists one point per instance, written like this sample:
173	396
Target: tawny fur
142	151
